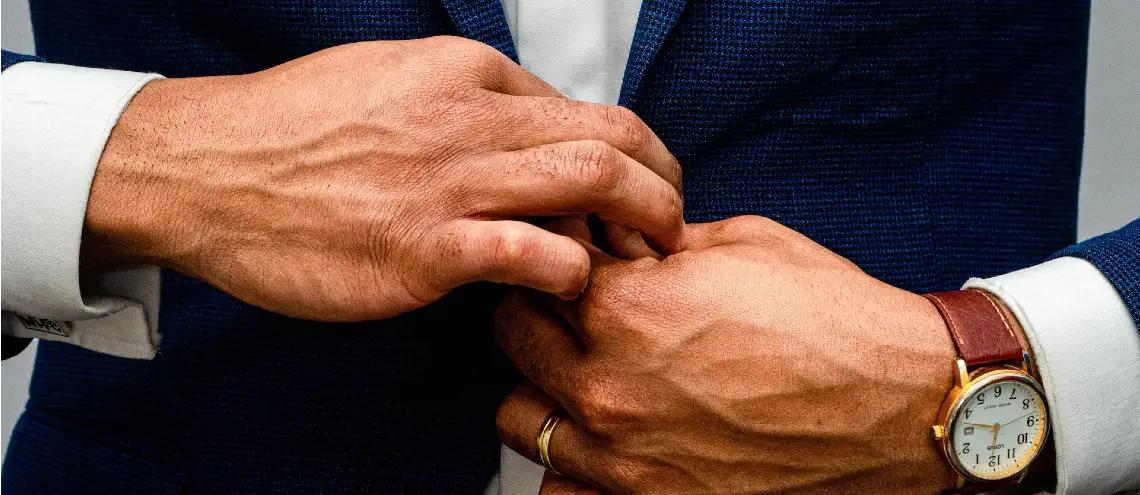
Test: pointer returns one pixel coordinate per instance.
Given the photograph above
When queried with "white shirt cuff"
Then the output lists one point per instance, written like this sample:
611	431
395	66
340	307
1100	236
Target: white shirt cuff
56	121
516	476
1087	351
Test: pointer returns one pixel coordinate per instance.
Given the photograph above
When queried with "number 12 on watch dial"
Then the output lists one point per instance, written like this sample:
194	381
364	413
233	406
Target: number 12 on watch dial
999	429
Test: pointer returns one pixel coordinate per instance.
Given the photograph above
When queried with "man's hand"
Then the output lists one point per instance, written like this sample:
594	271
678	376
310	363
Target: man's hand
370	179
754	361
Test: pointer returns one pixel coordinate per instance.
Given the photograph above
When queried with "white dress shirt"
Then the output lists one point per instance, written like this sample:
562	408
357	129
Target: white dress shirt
57	120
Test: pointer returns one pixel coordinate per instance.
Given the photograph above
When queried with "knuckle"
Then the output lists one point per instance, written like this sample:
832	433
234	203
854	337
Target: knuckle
456	44
475	61
594	164
752	222
507	249
676	175
674	207
481	54
632	134
445	39
747	226
597	404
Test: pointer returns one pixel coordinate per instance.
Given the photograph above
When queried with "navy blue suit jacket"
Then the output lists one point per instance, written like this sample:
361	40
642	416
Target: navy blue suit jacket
927	141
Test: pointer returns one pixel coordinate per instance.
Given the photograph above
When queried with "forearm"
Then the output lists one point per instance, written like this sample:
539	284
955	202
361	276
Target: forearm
152	193
380	189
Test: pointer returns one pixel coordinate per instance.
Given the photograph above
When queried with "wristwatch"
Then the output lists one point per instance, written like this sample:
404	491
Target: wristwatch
995	421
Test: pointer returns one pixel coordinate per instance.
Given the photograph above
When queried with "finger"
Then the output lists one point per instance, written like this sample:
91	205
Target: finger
570	312
574	227
520	419
584	177
555	120
628	244
539	344
557	484
508	252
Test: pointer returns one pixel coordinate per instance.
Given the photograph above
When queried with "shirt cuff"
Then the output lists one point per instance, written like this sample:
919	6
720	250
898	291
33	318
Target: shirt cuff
56	121
517	475
1087	351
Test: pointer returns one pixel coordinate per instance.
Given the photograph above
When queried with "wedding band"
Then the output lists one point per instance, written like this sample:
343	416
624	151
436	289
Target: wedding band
544	435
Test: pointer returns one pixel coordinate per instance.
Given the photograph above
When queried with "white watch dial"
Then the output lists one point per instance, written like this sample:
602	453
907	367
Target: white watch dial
999	430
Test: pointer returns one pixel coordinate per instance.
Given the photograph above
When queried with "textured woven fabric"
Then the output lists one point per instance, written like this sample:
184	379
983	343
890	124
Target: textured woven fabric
9	58
928	141
1117	255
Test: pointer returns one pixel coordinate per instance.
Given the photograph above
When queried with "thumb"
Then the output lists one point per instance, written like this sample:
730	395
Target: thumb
627	243
557	484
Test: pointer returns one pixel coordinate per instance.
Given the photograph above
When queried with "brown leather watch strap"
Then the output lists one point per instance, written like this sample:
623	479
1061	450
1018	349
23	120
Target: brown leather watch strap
979	329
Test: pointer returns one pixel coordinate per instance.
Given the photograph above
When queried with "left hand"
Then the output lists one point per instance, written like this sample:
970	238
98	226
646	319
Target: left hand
754	361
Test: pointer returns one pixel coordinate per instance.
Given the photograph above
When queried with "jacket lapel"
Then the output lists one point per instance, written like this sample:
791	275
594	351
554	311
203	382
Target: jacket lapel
654	23
483	21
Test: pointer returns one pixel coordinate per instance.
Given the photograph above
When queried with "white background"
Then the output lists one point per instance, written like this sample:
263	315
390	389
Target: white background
1110	182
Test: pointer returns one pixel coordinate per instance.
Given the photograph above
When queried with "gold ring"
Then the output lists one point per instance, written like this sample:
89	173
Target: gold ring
544	435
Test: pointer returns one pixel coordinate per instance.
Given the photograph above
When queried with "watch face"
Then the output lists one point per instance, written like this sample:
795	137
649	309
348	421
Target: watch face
999	428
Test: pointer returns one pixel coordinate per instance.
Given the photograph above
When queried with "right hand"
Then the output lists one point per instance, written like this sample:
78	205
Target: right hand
370	179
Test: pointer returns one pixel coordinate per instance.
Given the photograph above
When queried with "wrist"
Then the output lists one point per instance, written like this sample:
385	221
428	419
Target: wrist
1042	474
991	373
1018	331
940	476
137	207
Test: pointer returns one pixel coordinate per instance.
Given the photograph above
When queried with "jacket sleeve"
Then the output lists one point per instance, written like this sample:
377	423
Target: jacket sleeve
8	58
1117	255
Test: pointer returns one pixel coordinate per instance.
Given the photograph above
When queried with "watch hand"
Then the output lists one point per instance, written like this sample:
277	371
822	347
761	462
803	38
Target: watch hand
983	426
1016	419
996	428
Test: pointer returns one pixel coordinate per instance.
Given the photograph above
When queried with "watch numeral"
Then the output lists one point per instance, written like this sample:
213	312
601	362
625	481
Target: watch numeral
1025	404
995	460
968	413
1010	453
1023	439
981	399
1013	394
966	448
997	391
1030	421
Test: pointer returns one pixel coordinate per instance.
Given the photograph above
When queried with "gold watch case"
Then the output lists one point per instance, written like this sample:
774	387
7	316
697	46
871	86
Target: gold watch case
965	385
